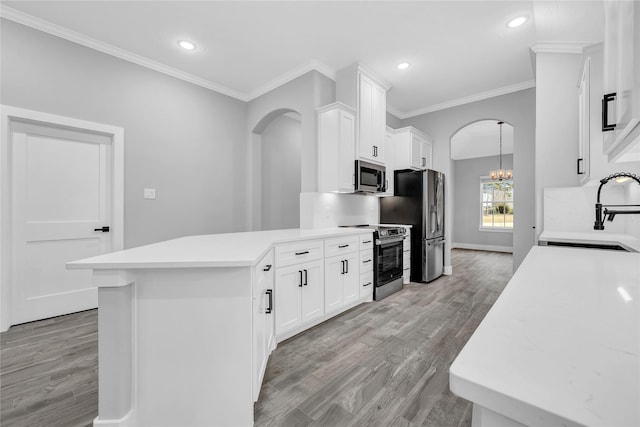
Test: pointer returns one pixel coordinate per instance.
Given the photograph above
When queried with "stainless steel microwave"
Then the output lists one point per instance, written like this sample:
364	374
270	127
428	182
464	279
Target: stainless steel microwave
370	178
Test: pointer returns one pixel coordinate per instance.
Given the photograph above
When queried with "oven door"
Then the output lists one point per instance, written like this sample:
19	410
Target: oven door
389	256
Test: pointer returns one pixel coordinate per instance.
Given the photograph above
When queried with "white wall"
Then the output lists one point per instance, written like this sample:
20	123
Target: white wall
466	217
185	141
517	109
281	142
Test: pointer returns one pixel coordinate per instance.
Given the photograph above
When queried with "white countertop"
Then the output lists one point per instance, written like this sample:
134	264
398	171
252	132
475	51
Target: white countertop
561	346
211	250
626	241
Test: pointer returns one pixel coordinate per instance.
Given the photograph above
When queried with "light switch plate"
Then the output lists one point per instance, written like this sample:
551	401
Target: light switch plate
150	193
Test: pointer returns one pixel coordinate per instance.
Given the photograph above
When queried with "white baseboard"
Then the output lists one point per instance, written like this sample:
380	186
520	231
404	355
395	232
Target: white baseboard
448	270
126	421
492	248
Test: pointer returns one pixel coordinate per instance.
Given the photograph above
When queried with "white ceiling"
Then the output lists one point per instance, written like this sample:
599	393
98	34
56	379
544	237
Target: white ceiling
460	50
481	139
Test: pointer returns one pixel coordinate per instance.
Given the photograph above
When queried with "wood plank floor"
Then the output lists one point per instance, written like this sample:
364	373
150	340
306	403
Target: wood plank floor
382	364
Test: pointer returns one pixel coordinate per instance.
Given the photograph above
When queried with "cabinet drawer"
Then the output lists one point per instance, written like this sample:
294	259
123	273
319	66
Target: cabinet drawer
263	269
366	241
292	253
366	284
341	245
366	261
406	259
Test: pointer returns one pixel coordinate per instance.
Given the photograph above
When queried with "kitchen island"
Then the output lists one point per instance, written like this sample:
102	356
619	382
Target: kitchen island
186	326
561	345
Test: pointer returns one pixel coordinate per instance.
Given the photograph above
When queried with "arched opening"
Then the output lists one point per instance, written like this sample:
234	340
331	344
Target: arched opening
276	169
484	213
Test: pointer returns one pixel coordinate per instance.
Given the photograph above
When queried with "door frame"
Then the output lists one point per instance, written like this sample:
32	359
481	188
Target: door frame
116	165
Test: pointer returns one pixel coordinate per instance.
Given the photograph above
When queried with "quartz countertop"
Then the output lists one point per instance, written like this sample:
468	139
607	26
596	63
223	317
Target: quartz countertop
626	241
210	250
561	345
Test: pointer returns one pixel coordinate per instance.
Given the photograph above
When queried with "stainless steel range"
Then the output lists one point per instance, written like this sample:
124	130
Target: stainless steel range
387	255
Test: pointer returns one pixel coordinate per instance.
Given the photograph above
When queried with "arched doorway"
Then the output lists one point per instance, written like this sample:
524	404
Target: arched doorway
484	212
276	168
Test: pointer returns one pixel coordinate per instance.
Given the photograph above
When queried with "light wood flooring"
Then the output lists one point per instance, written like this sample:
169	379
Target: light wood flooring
380	364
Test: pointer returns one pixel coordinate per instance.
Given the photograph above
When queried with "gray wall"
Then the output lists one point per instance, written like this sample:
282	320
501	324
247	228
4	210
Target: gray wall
393	122
281	142
556	124
517	109
302	95
183	140
466	217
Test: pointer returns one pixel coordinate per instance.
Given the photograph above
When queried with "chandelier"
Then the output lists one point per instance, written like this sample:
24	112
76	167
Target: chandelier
501	174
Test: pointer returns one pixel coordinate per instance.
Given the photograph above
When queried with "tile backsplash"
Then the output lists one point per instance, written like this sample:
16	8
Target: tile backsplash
321	210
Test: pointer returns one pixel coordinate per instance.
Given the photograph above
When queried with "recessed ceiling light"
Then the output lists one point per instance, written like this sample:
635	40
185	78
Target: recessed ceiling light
187	45
403	65
516	22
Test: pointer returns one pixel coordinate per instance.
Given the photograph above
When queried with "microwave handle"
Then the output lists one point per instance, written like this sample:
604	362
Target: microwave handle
383	179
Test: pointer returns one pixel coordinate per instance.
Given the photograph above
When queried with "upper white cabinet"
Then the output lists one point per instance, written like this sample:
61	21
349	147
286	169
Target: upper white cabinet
390	160
584	135
360	90
336	148
413	149
622	78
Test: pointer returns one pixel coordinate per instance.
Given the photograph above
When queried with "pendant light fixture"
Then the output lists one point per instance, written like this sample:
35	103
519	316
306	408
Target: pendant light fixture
501	174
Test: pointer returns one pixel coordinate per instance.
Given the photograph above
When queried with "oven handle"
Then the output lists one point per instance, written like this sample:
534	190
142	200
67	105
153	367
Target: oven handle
385	241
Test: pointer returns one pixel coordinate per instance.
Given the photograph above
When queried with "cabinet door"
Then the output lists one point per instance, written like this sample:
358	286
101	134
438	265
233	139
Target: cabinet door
347	151
582	163
333	272
259	340
351	279
426	156
287	298
365	116
417	160
390	163
312	291
378	122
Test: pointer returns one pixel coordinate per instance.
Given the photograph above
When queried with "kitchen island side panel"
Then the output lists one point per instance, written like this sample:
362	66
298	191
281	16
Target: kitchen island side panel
192	347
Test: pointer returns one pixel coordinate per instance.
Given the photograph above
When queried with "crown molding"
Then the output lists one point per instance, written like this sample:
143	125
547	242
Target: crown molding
553	47
81	39
469	99
293	74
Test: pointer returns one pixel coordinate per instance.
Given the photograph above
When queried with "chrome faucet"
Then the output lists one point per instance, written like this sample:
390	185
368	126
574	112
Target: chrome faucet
610	214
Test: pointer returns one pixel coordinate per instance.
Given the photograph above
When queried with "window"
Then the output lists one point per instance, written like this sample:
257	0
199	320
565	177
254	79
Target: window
496	205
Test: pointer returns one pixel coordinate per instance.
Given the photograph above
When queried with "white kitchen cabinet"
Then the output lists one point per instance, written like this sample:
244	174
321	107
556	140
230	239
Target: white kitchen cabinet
263	319
336	148
341	281
298	295
584	136
622	77
390	157
360	90
413	149
366	273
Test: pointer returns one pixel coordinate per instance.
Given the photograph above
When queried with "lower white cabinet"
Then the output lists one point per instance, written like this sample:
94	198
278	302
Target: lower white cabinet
341	281
299	295
263	320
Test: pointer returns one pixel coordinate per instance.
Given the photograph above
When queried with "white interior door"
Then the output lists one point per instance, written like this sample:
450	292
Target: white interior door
60	195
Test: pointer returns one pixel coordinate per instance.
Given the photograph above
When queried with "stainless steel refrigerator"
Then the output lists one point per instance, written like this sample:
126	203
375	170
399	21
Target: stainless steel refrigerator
419	201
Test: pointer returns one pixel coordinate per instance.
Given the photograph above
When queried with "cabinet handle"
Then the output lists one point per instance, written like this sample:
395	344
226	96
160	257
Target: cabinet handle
302	253
305	277
104	229
366	241
424	161
364	262
342	262
347	269
367	284
343	246
300	283
578	167
267	267
269	292
606	126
